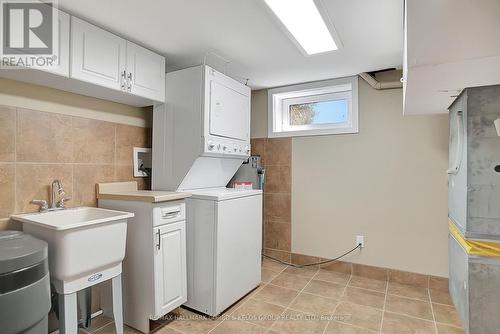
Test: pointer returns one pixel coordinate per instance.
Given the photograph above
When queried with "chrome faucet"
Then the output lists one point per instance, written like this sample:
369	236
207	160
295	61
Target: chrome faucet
56	190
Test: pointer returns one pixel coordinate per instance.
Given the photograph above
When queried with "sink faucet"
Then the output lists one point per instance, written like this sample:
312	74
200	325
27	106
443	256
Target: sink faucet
56	190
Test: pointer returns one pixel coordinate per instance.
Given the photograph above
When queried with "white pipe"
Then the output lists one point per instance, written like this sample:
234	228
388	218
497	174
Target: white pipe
460	145
380	85
497	126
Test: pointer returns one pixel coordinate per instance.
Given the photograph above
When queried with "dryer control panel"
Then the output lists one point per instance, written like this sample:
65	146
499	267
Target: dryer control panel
220	146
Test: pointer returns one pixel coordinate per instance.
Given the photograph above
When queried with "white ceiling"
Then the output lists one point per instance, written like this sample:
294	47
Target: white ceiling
250	37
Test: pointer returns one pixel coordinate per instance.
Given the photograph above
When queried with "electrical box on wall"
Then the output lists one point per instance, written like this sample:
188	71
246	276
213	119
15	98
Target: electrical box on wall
360	241
142	162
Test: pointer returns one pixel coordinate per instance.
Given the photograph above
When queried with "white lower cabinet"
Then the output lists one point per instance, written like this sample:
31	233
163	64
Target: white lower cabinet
170	267
154	268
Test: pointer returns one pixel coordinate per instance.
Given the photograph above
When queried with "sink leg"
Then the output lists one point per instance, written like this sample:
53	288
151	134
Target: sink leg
68	314
84	300
117	303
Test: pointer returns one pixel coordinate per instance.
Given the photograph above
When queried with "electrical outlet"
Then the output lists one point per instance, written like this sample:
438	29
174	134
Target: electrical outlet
360	239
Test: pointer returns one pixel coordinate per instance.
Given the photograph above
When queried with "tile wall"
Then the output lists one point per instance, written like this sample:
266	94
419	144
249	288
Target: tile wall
37	147
276	155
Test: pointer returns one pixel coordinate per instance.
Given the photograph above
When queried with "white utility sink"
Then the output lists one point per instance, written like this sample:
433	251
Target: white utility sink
86	245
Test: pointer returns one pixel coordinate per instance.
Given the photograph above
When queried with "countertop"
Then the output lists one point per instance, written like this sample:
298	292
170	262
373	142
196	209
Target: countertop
145	196
127	191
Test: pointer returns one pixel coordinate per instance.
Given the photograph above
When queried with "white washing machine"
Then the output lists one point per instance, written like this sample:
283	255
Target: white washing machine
224	241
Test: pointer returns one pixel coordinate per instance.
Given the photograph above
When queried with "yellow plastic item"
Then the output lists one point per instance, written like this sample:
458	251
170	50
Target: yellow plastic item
475	247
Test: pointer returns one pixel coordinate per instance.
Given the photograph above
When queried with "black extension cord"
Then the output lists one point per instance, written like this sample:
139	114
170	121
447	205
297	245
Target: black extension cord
312	264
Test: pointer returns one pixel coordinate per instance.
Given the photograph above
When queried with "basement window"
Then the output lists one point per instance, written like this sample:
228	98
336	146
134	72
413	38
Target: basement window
318	108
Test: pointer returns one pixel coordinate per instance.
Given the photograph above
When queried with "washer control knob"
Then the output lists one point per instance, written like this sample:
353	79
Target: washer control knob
218	147
210	145
247	149
224	148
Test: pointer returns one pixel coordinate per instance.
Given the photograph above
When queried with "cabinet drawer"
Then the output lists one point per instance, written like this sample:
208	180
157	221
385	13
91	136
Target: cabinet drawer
169	213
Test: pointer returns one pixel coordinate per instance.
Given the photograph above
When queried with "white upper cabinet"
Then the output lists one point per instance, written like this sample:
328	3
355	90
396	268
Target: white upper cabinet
105	59
61	63
94	62
98	56
62	67
145	72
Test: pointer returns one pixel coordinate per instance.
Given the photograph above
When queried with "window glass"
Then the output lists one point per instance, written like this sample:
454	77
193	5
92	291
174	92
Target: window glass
324	112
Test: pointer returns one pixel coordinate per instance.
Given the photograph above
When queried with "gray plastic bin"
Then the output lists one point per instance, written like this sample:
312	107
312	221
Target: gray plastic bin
24	284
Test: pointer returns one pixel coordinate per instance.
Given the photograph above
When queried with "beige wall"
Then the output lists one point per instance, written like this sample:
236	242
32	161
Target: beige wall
258	126
24	95
387	183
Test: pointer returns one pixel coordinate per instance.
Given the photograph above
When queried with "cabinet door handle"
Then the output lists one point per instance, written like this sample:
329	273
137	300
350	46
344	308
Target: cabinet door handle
123	80
167	215
129	82
170	212
159	240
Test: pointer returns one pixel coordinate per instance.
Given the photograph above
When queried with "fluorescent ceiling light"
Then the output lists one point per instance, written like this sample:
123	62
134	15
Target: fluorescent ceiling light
304	22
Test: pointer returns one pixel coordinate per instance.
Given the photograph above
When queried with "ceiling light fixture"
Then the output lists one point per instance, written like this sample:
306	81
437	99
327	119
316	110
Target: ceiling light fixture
305	23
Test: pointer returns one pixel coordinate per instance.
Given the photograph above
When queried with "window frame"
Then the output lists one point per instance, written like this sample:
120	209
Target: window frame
280	99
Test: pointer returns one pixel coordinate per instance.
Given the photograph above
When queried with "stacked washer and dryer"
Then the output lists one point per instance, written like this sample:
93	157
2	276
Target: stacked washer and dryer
201	136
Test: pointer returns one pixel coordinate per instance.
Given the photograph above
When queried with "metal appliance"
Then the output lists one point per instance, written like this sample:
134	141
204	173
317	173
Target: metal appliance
474	208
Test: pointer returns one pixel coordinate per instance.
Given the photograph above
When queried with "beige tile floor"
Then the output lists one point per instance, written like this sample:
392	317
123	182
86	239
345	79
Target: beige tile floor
302	301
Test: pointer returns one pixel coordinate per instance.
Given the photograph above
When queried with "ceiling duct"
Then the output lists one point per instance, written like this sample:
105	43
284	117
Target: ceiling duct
384	79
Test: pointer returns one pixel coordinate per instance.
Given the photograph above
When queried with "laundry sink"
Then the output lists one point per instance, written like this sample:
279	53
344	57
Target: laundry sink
86	245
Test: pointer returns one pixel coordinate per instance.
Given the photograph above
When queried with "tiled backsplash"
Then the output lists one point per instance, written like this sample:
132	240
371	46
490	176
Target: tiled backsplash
37	147
276	155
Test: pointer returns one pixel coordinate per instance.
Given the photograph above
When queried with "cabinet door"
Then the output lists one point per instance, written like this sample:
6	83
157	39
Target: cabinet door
62	67
61	63
145	73
97	56
170	267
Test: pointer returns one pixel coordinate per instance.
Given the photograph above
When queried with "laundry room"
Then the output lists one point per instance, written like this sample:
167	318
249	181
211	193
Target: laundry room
253	166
